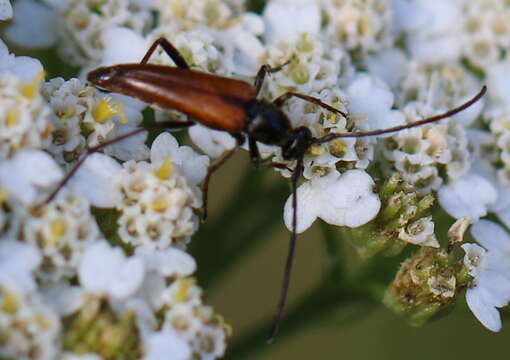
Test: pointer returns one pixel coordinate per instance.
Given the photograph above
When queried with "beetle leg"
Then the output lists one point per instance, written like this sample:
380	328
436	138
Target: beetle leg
171	51
290	255
254	152
282	98
205	186
263	71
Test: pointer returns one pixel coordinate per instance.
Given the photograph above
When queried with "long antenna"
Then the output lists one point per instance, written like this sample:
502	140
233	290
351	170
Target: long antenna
432	119
290	255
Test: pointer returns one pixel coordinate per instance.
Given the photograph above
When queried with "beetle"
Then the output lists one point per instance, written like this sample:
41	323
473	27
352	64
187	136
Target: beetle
232	106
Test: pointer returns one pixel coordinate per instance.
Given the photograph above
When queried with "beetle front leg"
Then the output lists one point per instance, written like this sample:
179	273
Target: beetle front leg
171	51
263	71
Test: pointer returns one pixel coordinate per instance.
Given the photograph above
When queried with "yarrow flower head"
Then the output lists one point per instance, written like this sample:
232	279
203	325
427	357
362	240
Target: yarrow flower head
94	229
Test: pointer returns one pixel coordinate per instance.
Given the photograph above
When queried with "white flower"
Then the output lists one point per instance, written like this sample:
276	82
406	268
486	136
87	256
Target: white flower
122	45
5	9
420	232
167	262
97	180
213	142
286	20
338	199
24	67
467	196
17	263
28	172
490	268
63	298
105	270
34	25
161	344
193	165
432	26
498	82
371	100
359	25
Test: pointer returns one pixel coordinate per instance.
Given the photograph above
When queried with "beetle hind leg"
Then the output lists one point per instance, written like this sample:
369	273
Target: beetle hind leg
171	51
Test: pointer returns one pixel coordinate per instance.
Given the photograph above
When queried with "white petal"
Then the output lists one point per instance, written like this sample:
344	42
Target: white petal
212	142
63	298
193	165
106	270
122	45
163	343
498	81
467	196
342	200
17	262
389	64
488	315
350	200
26	171
308	203
162	146
492	236
96	180
285	20
34	25
168	262
5	9
467	116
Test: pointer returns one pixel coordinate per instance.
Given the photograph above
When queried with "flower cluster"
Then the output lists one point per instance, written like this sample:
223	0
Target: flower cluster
97	261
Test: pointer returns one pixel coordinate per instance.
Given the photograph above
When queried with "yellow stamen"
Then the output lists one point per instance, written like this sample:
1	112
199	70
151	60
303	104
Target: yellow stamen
104	110
160	205
29	90
315	150
58	229
10	301
12	117
182	293
165	169
3	195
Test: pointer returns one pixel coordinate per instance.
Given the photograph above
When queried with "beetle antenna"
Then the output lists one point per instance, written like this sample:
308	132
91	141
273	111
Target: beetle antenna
432	119
166	125
290	255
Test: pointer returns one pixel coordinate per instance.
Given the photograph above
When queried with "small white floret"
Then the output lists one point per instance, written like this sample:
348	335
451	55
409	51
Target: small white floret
165	343
5	9
339	199
467	196
489	267
168	262
34	25
193	165
212	142
286	20
96	180
28	172
105	270
17	262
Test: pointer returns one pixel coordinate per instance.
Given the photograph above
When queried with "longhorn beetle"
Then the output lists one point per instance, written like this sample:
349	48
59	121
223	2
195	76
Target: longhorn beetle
228	105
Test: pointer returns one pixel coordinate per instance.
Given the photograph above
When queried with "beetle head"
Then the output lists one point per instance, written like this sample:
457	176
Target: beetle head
102	77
